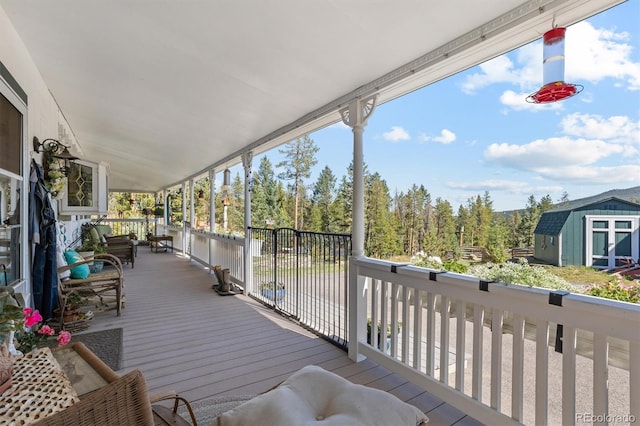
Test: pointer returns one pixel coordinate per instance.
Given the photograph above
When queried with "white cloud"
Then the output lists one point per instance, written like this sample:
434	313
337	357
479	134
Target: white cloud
518	101
552	152
509	186
568	160
446	137
594	54
616	129
496	70
396	134
339	125
594	175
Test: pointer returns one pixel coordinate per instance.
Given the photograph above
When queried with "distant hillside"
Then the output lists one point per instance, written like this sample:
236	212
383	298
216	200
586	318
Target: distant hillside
629	194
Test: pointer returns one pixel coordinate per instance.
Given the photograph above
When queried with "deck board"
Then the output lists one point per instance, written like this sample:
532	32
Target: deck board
185	337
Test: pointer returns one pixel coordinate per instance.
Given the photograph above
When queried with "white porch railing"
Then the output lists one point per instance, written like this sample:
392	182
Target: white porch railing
220	249
484	347
211	249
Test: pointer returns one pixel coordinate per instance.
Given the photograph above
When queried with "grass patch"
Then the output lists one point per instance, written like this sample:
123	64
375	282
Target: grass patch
580	274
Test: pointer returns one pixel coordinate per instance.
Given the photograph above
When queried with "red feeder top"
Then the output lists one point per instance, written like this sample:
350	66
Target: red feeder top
552	36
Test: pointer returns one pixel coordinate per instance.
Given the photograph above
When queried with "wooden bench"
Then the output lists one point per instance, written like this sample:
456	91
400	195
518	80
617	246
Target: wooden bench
122	247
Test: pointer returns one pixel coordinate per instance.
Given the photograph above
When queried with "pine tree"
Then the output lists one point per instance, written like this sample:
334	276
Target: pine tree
496	241
235	211
379	236
266	197
513	222
412	214
444	228
529	221
300	158
322	200
342	209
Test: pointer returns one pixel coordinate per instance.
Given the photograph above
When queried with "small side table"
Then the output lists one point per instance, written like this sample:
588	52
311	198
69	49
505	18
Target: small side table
40	388
157	239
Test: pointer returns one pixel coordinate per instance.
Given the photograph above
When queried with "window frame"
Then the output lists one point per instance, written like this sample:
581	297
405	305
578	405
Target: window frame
18	103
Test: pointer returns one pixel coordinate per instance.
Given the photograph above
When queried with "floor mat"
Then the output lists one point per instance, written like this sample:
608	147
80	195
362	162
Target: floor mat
106	344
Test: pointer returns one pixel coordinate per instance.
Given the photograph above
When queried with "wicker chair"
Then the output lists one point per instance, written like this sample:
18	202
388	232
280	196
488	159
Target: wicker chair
108	281
123	402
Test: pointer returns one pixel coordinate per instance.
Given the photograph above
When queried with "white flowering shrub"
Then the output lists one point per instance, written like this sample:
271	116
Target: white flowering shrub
522	274
426	261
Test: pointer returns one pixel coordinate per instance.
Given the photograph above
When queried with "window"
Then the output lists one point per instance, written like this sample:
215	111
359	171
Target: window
87	189
80	186
11	182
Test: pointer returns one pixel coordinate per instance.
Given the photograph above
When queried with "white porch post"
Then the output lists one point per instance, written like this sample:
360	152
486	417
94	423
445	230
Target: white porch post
247	159
356	116
184	216
212	200
165	211
212	212
192	206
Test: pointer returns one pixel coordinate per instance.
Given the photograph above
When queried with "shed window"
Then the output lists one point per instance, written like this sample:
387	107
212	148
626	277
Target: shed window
600	224
623	224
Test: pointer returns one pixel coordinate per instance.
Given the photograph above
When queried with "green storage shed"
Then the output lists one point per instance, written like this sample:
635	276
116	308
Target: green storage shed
602	233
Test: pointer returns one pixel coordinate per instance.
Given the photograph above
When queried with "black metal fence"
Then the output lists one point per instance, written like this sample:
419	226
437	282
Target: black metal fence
305	275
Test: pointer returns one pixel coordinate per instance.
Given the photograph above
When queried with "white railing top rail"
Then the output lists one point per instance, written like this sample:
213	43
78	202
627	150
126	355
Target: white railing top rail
609	317
118	220
227	238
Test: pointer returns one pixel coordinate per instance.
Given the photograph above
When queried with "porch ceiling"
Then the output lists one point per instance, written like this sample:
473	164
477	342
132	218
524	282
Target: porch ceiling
163	90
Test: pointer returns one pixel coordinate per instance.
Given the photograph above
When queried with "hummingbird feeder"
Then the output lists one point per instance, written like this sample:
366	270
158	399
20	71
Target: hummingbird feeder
553	88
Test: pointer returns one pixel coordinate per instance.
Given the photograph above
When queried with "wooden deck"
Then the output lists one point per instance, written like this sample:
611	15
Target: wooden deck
185	337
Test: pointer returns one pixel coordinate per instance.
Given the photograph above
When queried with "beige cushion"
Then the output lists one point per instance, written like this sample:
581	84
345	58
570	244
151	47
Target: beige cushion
313	395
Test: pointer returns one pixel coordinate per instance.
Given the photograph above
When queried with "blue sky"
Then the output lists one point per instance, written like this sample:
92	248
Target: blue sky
474	132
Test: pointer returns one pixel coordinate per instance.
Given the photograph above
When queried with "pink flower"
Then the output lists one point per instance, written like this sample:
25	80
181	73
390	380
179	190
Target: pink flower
27	311
45	329
63	338
32	319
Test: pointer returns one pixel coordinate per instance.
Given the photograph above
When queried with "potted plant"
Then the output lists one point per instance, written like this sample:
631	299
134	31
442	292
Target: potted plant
379	329
72	307
272	291
89	249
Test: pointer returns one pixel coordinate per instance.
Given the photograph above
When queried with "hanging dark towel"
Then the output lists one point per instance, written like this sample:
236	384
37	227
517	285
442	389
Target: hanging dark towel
42	233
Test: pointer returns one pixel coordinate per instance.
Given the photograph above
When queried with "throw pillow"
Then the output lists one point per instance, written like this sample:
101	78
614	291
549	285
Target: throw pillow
95	237
80	271
62	262
314	395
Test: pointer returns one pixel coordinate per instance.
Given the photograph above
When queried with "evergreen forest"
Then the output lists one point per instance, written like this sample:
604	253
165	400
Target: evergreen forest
396	224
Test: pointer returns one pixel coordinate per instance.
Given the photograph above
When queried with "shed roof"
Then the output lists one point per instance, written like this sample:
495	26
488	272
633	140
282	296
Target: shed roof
551	222
596	199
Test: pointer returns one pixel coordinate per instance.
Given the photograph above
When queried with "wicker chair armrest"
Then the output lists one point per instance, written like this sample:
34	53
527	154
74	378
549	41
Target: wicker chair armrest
107	258
164	412
163	396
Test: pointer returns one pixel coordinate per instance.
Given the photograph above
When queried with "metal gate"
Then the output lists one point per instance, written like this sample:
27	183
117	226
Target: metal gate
304	275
